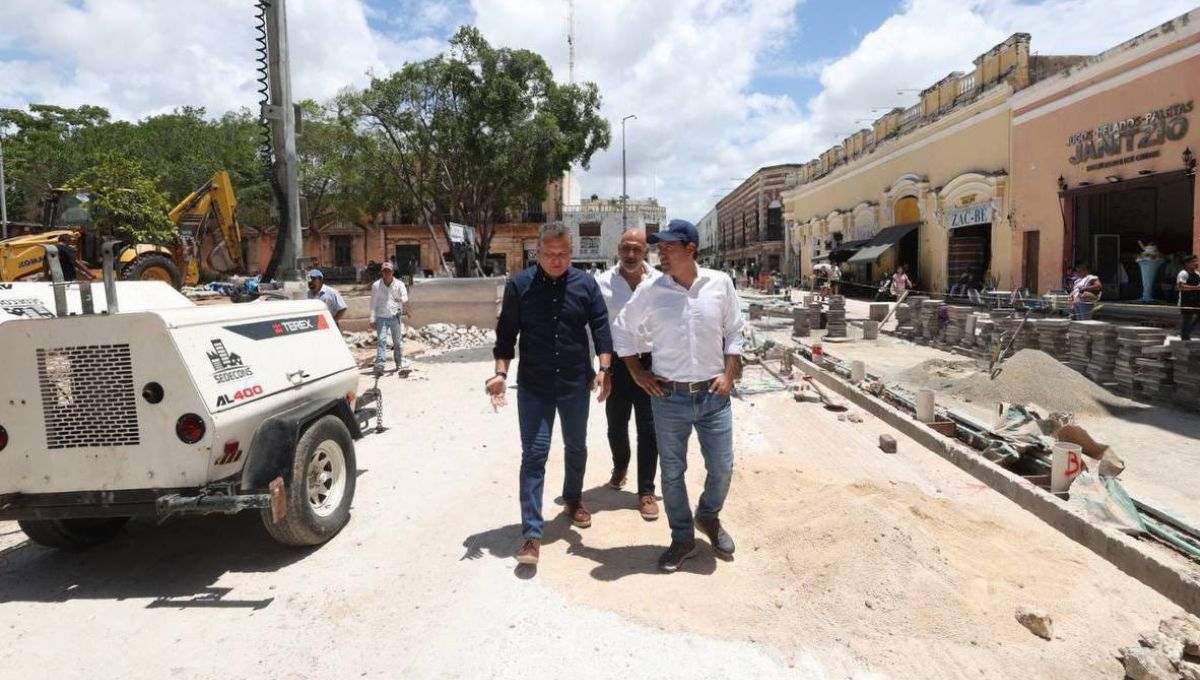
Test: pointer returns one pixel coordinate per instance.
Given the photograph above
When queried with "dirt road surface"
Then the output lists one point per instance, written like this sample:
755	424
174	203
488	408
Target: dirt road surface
851	563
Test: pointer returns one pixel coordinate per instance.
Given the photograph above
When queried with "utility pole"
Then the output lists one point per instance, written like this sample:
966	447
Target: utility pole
3	191
624	192
282	114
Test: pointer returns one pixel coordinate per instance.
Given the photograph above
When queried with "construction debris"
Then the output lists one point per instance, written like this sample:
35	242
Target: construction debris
1170	653
1038	622
887	443
436	336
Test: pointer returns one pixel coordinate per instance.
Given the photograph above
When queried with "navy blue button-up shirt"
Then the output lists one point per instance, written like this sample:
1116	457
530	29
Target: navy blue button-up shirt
551	318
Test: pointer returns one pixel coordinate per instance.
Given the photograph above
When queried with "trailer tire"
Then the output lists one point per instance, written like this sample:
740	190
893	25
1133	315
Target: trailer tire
72	534
153	267
322	486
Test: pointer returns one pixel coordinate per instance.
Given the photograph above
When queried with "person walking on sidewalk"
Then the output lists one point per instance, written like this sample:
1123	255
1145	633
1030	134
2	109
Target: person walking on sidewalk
690	316
549	308
388	297
1188	283
617	284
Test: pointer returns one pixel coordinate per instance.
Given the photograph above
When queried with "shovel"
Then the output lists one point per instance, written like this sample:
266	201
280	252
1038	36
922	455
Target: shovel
831	403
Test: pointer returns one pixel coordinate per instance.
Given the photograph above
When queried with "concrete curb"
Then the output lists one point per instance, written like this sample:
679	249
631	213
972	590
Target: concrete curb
1125	553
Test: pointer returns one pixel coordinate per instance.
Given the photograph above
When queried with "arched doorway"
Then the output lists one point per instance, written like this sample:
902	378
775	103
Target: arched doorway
907	252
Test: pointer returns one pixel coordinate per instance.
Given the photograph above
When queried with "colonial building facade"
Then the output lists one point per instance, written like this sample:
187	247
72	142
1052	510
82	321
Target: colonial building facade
1104	164
750	221
927	187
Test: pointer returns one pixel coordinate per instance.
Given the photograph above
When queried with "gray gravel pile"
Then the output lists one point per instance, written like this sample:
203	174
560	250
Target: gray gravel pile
1028	377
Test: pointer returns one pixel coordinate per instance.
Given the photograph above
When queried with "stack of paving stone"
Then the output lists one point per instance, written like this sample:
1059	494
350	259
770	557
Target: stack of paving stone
1131	342
1187	373
836	323
1104	353
1052	337
927	322
1018	335
1080	341
904	318
986	328
956	326
814	313
801	327
1155	376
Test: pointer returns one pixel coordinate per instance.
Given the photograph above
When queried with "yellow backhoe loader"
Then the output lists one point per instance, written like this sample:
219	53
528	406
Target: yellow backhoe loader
206	222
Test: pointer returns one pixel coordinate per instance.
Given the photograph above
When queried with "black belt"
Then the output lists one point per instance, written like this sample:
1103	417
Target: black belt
690	388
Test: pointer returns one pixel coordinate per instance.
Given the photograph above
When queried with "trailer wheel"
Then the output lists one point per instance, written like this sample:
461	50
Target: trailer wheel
72	534
322	488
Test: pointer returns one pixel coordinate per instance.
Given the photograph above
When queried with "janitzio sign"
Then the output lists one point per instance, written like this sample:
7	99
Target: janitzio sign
1123	137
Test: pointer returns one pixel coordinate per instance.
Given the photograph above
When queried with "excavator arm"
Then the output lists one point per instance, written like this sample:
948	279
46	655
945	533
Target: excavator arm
209	215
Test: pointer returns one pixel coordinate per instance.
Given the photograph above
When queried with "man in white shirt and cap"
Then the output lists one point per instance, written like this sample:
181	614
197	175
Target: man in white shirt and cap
617	285
317	290
388	295
691	318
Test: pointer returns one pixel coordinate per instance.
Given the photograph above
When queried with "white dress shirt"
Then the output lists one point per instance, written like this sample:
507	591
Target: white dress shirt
616	291
386	300
690	329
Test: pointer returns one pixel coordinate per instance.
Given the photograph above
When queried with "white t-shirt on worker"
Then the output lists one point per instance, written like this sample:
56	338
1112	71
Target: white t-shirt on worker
616	291
1082	284
386	300
690	329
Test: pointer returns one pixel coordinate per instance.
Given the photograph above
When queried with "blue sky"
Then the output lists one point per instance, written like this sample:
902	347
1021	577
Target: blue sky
719	87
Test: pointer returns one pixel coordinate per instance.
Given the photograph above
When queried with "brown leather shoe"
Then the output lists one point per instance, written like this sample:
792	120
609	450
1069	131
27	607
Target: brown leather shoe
579	515
648	507
530	550
618	478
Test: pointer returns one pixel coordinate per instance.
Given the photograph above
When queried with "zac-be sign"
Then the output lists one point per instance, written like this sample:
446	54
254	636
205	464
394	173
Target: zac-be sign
980	213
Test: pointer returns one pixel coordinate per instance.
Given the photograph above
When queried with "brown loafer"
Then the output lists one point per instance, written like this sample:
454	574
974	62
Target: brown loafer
618	478
648	507
530	551
579	515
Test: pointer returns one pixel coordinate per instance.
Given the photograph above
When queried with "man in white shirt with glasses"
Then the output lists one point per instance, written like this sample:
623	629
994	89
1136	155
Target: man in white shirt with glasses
691	318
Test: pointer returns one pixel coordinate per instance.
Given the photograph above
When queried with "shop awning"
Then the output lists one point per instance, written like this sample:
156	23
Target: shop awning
884	240
847	249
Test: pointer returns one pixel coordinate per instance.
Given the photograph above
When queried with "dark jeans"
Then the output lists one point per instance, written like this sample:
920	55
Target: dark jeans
535	413
627	397
1188	324
676	415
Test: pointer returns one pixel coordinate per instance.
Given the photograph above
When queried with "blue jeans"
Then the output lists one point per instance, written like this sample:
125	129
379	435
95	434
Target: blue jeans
675	414
383	325
1083	311
535	413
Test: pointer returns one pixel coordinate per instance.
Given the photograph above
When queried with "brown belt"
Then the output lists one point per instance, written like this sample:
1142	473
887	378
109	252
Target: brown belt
689	388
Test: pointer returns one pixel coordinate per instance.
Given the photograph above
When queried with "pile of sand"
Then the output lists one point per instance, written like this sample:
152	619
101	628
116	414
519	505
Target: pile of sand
1028	377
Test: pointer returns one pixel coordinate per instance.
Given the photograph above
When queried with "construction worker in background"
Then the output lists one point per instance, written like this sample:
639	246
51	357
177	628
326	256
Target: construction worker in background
1188	283
1085	293
388	297
73	269
317	290
617	285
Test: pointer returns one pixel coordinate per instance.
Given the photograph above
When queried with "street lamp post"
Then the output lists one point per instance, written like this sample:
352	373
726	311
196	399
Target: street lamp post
624	192
3	191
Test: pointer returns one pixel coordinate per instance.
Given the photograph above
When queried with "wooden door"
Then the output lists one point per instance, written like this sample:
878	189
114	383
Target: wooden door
1032	252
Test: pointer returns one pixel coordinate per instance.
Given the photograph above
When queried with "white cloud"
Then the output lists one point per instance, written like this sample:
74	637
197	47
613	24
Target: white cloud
687	68
140	57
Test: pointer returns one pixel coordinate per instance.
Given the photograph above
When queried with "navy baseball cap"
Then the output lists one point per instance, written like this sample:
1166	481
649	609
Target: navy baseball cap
677	230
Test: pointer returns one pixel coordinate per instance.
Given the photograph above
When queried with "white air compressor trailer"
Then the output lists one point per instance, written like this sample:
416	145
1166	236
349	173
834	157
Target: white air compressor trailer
159	407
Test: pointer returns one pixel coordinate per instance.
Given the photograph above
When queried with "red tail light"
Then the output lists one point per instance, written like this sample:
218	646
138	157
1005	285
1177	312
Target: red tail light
3	437
189	428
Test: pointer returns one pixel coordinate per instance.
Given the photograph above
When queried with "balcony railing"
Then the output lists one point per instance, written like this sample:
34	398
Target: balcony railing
966	84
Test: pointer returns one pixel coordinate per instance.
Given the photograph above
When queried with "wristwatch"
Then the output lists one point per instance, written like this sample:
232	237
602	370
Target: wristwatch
500	374
606	369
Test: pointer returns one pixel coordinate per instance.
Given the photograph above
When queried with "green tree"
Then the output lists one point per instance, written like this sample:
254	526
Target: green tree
125	202
42	149
480	130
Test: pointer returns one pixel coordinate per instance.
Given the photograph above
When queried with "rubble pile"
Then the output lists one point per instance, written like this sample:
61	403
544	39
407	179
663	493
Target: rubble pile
1172	652
436	336
1186	355
1131	342
836	317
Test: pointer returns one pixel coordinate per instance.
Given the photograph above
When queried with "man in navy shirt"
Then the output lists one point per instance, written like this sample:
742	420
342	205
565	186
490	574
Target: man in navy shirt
549	307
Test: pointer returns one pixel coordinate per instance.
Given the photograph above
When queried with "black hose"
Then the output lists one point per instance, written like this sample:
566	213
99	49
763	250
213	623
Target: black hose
266	149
